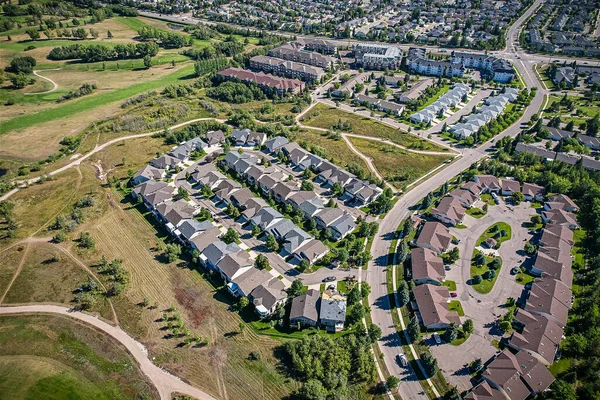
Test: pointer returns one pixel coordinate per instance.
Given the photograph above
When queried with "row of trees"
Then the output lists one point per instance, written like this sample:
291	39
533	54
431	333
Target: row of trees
165	39
101	52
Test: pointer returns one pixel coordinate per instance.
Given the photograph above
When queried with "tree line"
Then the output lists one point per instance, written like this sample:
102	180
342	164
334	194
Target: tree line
103	52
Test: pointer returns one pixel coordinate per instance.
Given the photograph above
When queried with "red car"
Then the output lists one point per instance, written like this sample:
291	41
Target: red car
453	294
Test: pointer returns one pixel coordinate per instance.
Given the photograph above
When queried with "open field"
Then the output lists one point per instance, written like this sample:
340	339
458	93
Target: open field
338	149
9	263
42	355
322	116
396	165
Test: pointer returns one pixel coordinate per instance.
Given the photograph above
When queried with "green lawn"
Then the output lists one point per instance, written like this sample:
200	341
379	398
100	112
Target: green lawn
475	212
488	199
455	305
396	165
523	278
52	357
323	116
494	232
68	109
487	284
560	366
450	284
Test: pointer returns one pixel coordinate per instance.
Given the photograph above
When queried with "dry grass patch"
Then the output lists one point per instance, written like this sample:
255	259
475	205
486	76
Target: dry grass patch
9	263
396	165
338	149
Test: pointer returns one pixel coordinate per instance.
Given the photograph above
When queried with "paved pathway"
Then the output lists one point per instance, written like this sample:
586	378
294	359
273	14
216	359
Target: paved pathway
165	383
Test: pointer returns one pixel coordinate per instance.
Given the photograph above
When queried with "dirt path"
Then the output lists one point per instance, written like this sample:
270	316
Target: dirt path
366	159
78	161
17	272
165	383
36	73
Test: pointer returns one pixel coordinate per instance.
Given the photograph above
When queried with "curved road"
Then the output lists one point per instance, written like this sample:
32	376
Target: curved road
376	275
165	383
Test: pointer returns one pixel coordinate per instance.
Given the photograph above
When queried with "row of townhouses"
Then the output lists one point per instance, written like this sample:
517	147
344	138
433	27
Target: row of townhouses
445	102
290	69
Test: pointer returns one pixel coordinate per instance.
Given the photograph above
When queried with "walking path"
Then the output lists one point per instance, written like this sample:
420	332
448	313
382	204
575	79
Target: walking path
165	383
99	148
36	73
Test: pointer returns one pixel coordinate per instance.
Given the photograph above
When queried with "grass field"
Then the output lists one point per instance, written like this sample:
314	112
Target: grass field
396	165
55	357
338	149
486	285
322	116
455	305
494	232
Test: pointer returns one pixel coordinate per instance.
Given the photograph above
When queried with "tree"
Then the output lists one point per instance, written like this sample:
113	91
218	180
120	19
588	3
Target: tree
402	251
256	231
451	333
172	252
22	65
231	236
518	197
109	34
337	189
60	237
243	302
479	259
307	185
271	243
19	81
374	333
86	241
468	326
453	393
304	264
452	256
413	329
403	294
392	382
354	296
536	219
563	390
477	279
505	326
476	365
429	364
262	262
530	248
147	61
312	390
295	288
33	34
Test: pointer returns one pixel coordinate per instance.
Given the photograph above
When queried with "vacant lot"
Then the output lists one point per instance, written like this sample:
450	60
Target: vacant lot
322	116
336	148
52	355
396	165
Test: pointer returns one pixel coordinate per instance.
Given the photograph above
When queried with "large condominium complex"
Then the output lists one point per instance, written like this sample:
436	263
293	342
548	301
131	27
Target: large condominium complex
290	69
280	85
376	56
293	51
417	62
498	69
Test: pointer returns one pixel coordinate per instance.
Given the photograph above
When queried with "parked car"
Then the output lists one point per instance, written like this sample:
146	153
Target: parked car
437	338
514	271
453	294
447	267
329	279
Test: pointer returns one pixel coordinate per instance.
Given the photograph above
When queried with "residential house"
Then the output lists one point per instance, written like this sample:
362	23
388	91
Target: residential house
427	267
537	335
545	265
305	309
294	239
560	217
327	216
432	303
362	192
342	227
466	197
147	173
265	218
266	297
165	162
333	310
214	138
489	183
201	241
509	186
484	391
561	202
233	265
256	139
450	210
518	376
434	236
242	285
214	252
533	192
312	251
275	144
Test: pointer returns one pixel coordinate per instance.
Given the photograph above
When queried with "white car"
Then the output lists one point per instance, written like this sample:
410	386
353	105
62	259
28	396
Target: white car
437	338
